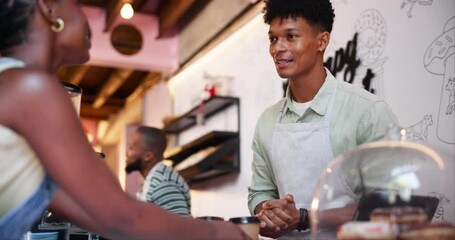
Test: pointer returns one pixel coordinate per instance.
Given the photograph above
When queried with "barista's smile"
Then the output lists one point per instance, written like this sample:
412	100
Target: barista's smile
282	63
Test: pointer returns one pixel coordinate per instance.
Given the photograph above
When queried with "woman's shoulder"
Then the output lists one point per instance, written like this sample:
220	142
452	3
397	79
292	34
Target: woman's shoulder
24	83
22	89
26	78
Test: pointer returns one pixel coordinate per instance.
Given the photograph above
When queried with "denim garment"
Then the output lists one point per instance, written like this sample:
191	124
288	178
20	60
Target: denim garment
15	223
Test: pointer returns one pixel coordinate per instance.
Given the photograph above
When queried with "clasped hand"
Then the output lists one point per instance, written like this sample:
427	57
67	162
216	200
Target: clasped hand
278	216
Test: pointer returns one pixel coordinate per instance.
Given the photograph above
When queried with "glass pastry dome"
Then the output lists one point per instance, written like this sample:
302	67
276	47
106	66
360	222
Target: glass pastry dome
391	173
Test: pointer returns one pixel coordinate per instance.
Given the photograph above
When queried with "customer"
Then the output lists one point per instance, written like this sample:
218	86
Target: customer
319	118
45	157
162	185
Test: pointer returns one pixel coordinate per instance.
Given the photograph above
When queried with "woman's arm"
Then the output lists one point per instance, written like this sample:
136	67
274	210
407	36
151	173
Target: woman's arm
64	207
45	116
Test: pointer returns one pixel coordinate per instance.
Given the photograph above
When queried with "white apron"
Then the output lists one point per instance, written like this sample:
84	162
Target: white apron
300	153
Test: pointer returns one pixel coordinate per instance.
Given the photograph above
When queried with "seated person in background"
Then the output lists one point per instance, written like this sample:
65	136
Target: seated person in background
162	185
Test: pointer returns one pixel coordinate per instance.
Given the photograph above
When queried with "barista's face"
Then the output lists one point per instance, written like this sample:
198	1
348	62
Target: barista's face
73	43
294	46
134	153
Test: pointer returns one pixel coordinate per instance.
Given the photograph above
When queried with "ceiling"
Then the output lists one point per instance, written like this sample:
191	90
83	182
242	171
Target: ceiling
106	90
199	23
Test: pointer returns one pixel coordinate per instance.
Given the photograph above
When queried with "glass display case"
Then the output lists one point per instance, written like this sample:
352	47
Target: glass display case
387	186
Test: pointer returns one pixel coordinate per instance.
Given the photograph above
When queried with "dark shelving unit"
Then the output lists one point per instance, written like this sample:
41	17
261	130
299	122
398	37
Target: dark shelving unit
214	138
225	159
212	106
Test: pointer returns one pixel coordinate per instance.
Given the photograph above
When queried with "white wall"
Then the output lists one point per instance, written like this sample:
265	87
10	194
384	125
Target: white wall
244	58
392	42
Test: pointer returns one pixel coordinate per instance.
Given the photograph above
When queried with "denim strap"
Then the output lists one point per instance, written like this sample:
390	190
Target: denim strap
15	223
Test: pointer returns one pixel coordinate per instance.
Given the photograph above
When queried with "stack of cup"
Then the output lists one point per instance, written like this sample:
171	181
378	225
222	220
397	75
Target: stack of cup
250	225
211	218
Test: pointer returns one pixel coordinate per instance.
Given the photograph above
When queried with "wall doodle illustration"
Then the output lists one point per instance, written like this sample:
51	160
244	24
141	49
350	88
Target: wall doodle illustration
443	200
361	59
439	59
419	132
346	60
372	29
411	4
451	88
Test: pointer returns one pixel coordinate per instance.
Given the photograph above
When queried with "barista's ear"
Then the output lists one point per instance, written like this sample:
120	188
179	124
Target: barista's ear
47	10
324	39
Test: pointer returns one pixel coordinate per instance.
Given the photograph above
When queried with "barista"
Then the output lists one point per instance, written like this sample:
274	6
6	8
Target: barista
319	118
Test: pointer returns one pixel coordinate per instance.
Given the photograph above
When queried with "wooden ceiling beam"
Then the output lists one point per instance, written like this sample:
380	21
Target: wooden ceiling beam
170	12
113	11
138	5
102	113
148	82
115	81
79	74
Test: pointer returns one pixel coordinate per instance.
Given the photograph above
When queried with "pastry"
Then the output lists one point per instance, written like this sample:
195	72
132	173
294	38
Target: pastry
403	216
367	230
429	231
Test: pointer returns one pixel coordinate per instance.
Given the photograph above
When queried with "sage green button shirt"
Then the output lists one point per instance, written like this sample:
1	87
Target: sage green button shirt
357	117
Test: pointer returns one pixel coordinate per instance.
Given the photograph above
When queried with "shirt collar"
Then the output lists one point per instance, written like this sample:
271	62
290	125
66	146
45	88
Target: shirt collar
153	169
322	99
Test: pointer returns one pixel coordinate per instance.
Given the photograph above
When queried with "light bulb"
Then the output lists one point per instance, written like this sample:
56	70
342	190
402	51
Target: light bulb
127	11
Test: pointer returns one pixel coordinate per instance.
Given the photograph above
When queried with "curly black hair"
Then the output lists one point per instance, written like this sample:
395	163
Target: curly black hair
318	13
14	18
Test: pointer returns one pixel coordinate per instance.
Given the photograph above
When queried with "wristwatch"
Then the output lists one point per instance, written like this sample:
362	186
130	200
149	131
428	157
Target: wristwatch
304	222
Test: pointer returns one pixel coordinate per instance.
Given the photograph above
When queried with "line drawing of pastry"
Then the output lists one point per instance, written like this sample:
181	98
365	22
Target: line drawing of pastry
439	59
418	132
443	200
412	3
372	34
451	88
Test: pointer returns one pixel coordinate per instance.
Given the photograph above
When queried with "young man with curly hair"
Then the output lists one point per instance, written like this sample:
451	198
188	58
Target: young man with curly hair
318	119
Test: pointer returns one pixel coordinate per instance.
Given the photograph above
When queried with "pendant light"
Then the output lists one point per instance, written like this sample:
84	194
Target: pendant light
127	11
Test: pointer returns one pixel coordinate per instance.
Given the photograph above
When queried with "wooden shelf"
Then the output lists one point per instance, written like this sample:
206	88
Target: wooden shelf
223	159
211	107
215	138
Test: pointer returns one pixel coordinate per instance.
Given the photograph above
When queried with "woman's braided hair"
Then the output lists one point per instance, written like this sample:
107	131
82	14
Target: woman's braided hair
14	17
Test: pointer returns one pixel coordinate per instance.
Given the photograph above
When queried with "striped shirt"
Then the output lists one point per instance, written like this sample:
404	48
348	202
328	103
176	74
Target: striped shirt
164	187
